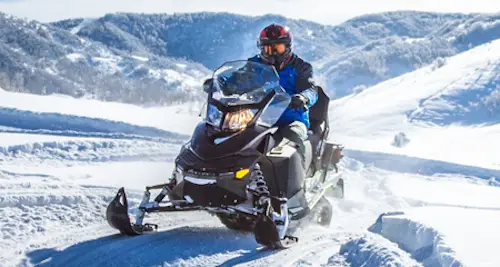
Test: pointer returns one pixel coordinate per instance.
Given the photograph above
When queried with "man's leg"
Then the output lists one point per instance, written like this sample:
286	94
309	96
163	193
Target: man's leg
297	133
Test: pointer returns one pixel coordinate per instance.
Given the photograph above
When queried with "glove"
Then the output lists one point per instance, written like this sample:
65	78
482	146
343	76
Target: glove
208	86
299	102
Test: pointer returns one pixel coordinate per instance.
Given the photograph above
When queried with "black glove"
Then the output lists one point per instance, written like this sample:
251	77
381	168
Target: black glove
208	85
299	102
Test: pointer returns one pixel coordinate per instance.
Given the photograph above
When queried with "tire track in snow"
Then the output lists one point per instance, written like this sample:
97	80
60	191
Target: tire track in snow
320	251
186	239
41	246
106	247
300	253
88	150
414	165
317	240
104	135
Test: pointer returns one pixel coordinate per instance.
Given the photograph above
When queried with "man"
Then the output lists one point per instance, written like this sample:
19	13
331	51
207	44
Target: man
275	44
295	74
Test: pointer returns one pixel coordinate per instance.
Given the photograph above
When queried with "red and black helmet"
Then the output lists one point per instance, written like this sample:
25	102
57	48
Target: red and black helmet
275	34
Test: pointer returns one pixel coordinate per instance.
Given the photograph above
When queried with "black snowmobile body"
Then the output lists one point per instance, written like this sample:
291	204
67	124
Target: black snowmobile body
214	169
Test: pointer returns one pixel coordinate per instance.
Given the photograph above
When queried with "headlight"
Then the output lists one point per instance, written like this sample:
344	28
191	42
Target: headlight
238	120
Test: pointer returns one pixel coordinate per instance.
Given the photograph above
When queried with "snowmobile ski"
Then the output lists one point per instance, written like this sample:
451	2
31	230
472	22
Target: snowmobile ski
117	217
270	228
266	234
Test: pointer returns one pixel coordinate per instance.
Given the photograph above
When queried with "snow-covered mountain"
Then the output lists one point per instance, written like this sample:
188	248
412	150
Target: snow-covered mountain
208	38
155	59
376	60
348	57
43	59
212	38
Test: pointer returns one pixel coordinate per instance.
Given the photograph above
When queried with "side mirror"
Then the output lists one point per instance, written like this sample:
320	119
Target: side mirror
208	86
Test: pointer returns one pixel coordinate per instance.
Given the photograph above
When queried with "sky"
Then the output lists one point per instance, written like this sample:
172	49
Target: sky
322	11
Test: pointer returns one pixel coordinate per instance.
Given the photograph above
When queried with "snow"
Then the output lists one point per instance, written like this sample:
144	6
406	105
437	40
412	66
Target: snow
15	138
433	202
28	104
445	236
440	189
373	250
182	66
440	110
114	173
75	56
143	59
413	40
84	23
62	202
421	209
175	76
448	192
109	65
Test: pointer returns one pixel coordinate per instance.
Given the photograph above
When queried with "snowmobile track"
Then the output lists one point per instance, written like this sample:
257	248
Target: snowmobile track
288	257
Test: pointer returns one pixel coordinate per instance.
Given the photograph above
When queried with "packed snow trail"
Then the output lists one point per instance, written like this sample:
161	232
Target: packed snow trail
56	184
63	220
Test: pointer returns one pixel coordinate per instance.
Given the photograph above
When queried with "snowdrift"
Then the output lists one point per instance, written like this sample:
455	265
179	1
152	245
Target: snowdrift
371	250
428	236
444	236
429	218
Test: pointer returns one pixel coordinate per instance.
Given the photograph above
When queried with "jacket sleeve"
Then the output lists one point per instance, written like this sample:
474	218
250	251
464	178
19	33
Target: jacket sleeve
305	84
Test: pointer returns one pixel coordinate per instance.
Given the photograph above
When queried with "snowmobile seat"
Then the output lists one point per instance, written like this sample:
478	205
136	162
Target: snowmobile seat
314	140
318	113
318	118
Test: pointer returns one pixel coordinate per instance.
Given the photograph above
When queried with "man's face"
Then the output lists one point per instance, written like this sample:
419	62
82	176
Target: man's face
274	49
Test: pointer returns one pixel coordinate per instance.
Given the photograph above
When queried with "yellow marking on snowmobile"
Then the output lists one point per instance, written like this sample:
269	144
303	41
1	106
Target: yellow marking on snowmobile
241	173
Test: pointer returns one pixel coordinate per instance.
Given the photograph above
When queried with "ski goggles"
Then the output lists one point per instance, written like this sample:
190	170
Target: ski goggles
274	49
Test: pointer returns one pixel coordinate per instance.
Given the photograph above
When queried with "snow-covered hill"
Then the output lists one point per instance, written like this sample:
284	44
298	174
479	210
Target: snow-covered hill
42	59
447	111
160	59
358	67
212	38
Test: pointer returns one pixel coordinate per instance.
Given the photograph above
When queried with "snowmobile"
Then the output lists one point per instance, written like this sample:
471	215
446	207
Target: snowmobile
238	167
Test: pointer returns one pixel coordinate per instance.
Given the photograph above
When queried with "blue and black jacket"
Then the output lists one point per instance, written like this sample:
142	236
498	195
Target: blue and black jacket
295	78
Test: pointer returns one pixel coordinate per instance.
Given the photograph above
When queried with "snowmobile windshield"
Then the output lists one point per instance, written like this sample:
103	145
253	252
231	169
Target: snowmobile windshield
249	87
244	82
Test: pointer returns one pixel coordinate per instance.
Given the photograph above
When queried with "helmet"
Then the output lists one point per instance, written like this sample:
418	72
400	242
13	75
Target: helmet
271	35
